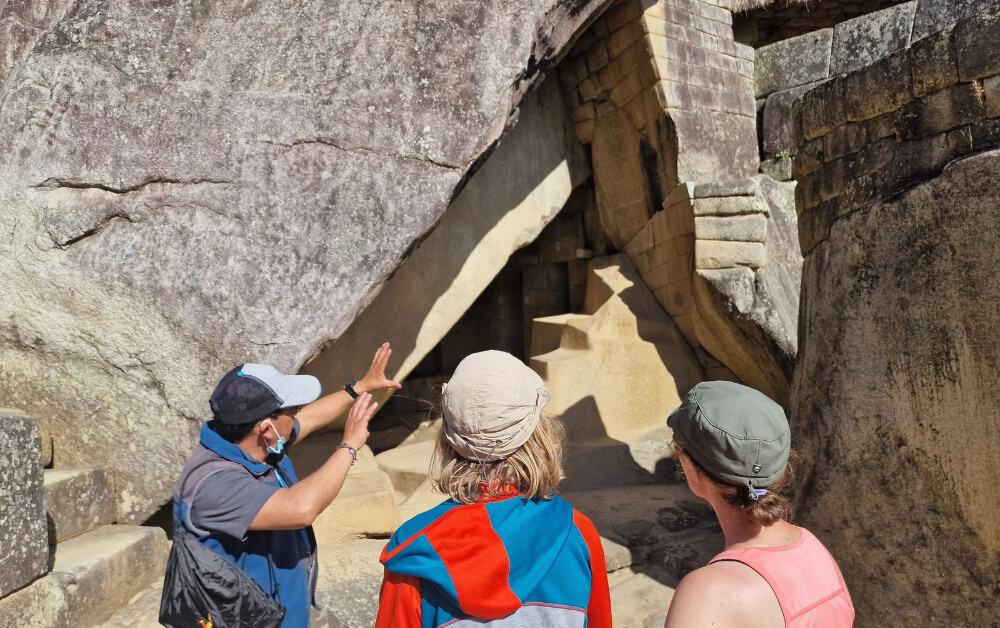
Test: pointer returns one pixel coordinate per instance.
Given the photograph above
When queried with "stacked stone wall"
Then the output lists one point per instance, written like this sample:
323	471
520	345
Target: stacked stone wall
878	131
784	71
649	86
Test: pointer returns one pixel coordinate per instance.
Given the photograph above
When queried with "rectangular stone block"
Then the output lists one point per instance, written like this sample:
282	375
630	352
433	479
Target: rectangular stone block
751	228
680	220
779	169
792	62
844	140
661	254
882	126
715	145
684	245
709	254
943	110
626	90
809	159
624	37
739	187
991	89
642	241
814	226
23	533
676	296
863	40
623	13
78	501
597	56
933	16
822	109
933	64
657	278
730	206
777	130
680	195
882	87
660	225
975	42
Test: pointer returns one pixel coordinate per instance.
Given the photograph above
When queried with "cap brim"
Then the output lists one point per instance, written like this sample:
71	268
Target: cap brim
298	390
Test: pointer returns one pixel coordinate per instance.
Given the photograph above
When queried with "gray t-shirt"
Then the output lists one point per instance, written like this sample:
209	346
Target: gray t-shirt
228	500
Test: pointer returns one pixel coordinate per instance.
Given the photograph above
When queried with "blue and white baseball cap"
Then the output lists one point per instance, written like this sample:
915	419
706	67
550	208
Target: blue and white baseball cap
251	392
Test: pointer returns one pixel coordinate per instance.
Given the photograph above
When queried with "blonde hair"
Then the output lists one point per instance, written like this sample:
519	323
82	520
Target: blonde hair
534	470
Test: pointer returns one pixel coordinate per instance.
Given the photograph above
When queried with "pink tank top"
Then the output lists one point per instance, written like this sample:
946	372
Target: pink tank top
804	578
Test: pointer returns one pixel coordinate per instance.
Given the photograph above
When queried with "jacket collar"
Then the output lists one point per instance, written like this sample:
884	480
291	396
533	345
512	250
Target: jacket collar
232	452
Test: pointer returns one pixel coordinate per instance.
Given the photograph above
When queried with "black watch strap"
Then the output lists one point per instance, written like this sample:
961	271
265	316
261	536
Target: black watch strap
349	387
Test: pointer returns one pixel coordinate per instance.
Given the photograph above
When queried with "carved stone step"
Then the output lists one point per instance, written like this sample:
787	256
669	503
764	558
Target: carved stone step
92	577
77	501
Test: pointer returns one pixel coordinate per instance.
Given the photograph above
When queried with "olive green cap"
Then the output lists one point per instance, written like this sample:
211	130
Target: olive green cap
734	432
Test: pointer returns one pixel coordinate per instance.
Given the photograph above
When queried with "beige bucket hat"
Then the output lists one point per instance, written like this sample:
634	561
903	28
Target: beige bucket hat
492	405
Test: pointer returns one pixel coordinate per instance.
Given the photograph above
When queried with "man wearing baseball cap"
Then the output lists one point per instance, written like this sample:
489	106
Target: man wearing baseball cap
733	444
240	497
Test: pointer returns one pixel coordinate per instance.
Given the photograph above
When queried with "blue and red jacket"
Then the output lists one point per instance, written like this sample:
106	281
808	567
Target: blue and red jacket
511	561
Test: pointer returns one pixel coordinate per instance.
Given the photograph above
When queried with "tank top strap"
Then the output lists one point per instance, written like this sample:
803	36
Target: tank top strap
802	575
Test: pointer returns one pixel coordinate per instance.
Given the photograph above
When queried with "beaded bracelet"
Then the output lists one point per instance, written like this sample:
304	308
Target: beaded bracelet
354	452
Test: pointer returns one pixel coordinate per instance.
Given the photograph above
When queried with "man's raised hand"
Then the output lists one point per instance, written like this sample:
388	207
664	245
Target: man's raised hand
375	378
356	428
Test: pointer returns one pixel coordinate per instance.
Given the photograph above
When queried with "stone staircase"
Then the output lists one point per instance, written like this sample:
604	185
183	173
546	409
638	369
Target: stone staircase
95	566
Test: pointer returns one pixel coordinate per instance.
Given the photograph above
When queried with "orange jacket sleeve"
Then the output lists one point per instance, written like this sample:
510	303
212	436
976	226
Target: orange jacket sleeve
399	602
599	608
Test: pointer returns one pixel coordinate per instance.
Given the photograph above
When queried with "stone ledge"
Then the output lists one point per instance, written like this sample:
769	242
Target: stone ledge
714	254
741	187
751	228
730	206
78	500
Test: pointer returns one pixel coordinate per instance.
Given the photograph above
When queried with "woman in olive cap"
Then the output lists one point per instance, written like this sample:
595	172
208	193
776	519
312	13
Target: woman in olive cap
733	444
504	550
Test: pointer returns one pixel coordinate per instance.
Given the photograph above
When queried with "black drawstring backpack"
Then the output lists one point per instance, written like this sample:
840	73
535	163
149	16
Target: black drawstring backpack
201	589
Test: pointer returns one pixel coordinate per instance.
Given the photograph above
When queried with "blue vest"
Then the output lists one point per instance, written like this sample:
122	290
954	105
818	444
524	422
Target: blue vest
282	562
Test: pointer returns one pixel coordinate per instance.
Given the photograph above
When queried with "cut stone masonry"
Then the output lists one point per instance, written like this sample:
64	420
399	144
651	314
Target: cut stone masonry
878	131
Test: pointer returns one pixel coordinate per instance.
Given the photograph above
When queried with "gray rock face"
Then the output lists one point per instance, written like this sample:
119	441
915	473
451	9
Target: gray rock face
185	187
894	402
25	552
866	39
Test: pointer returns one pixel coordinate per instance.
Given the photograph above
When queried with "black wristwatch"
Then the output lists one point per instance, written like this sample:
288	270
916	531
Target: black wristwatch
349	387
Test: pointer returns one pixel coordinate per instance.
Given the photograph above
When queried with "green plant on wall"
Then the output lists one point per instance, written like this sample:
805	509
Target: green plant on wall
783	154
967	134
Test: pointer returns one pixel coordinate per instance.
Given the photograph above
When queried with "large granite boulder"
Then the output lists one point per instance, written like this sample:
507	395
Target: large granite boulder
184	186
895	400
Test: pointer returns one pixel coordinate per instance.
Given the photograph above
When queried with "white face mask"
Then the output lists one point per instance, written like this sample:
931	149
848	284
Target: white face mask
278	447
